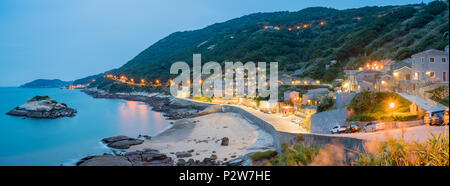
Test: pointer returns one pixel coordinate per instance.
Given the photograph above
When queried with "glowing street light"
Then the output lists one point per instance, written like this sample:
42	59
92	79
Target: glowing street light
392	105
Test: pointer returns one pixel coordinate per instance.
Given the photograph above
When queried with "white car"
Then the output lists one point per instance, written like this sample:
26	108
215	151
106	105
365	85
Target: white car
297	121
338	129
373	126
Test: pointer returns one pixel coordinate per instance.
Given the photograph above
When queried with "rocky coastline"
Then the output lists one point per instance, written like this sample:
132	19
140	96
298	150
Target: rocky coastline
43	107
173	109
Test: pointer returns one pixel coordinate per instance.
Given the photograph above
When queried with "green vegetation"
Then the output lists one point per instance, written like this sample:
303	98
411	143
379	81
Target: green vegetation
114	87
381	32
393	152
40	98
325	104
46	83
307	123
257	156
203	99
441	95
297	155
376	106
397	152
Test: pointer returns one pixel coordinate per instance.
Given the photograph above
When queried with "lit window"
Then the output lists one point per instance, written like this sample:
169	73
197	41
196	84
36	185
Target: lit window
432	60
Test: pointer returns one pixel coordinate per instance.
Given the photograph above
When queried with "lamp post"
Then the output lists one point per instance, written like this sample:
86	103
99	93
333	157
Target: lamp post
392	106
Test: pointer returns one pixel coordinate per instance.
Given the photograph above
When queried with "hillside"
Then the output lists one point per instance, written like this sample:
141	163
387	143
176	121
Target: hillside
305	40
46	83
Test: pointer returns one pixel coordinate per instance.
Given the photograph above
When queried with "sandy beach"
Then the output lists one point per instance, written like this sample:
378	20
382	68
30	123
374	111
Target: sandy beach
203	134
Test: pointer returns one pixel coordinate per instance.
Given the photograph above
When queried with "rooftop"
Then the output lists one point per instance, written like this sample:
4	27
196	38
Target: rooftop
431	51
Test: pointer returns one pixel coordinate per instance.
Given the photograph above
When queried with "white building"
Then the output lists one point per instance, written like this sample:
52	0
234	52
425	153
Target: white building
431	65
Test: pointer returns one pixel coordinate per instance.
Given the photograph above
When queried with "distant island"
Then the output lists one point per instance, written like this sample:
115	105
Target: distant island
46	83
43	107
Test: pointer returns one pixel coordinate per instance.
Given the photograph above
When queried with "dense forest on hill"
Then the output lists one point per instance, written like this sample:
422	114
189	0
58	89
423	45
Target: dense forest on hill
351	36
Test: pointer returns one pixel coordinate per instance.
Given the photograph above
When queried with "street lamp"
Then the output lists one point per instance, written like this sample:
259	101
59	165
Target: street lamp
392	105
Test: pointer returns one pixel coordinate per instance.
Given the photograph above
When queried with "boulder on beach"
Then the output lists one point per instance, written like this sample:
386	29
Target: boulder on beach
183	154
225	141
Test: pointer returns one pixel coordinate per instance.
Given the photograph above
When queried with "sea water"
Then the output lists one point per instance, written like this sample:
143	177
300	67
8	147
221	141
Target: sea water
63	141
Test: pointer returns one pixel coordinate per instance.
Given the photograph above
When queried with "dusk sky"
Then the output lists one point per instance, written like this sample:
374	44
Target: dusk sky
71	39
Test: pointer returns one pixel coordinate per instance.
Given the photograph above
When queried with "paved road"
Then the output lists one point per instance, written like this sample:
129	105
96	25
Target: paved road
284	124
418	133
280	123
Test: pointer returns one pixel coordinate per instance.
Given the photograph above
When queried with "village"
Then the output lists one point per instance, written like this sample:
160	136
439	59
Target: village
308	105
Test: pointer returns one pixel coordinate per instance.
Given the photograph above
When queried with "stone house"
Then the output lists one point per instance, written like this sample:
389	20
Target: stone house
384	83
314	95
291	96
431	66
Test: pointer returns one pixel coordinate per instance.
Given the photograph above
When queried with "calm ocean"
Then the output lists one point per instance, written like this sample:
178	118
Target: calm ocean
66	140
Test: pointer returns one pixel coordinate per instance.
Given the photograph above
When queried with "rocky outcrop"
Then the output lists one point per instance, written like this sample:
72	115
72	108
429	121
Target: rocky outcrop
148	157
121	142
172	108
43	107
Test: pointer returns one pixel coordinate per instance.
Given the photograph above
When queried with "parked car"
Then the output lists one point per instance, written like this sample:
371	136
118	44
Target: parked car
297	121
353	128
373	126
437	118
338	129
434	118
267	112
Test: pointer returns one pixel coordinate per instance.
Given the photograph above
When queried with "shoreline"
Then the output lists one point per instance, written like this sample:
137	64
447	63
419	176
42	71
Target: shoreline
191	123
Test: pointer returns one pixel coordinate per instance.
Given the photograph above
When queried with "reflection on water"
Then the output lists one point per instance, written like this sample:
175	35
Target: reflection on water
135	115
56	141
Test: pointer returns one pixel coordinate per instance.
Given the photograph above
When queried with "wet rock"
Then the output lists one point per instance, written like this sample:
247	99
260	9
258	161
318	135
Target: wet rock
106	160
234	162
181	162
190	162
115	138
147	137
183	154
213	157
151	156
121	142
125	144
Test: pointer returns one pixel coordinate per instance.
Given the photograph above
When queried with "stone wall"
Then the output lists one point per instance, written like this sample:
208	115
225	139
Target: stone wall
323	122
343	98
351	147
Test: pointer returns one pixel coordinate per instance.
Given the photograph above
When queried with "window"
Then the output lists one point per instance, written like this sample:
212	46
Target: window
431	74
444	76
432	60
444	60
